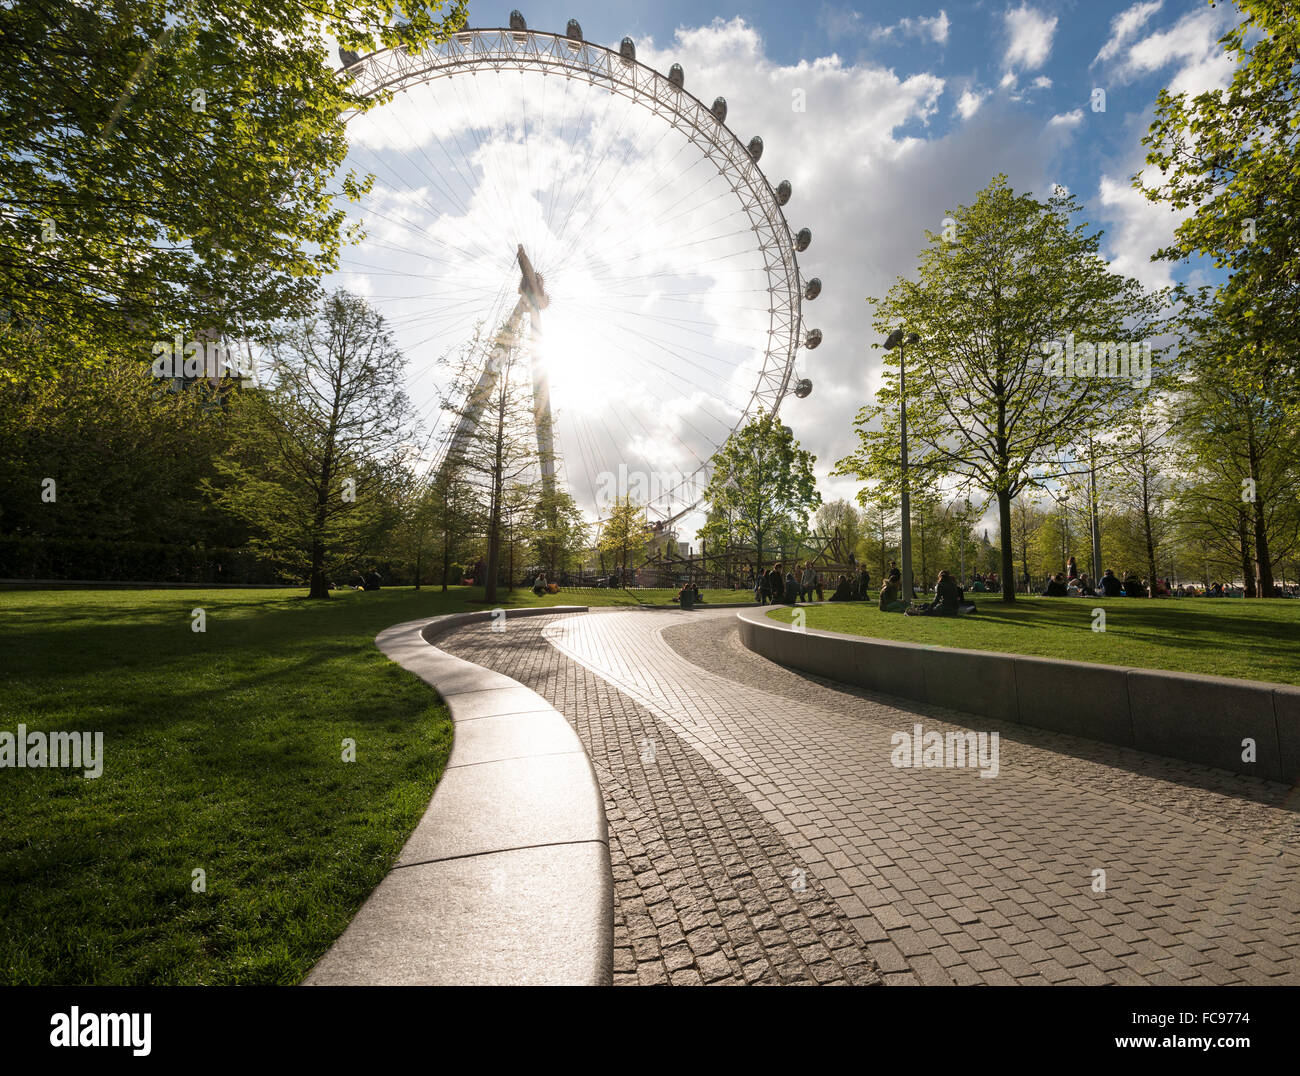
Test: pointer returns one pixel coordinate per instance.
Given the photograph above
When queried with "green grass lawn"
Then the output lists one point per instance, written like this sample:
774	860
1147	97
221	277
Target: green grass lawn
223	752
1252	640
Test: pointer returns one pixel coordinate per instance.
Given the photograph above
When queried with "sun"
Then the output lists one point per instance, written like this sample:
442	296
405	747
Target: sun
585	371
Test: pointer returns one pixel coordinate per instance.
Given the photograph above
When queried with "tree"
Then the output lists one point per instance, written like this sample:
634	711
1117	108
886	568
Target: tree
166	165
764	482
1233	157
559	532
1027	521
316	465
880	509
1241	448
840	518
625	531
999	309
457	513
1140	480
125	456
490	396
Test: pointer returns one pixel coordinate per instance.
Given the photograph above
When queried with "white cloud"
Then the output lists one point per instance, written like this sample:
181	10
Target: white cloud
1008	81
1137	227
1193	43
1067	119
969	103
1030	34
1140	229
1124	25
846	23
934	28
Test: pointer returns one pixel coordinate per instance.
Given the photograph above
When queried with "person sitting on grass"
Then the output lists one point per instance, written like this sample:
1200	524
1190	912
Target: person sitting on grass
1110	585
539	584
843	590
1133	586
890	602
1056	587
948	598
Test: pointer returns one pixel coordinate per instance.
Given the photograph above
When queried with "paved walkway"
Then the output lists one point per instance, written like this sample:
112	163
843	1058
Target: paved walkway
760	832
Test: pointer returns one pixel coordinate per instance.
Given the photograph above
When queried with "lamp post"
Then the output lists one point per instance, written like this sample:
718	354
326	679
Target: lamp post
898	340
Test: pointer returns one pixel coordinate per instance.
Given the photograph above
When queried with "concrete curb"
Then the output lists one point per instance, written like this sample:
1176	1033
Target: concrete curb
1200	719
506	879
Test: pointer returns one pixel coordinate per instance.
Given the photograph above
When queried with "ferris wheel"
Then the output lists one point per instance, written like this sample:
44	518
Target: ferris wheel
525	177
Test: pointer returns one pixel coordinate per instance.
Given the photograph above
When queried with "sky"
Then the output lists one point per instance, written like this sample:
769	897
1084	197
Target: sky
657	324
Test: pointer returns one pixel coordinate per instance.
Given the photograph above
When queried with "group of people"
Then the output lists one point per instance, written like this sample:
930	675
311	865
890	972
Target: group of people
949	598
369	581
983	584
1072	583
802	581
778	585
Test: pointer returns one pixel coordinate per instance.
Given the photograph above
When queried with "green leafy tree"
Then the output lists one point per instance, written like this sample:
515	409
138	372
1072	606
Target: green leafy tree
124	454
995	308
842	518
1140	478
457	514
1233	157
169	165
317	463
881	521
763	481
560	533
624	534
1242	450
499	450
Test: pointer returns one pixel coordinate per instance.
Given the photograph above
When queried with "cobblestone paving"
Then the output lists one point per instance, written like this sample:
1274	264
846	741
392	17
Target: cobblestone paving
946	877
707	891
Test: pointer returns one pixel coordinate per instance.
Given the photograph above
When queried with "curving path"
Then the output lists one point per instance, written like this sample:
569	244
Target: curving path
760	833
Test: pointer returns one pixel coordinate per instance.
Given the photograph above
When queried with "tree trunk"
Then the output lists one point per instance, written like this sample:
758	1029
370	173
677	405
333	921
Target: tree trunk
318	587
1150	541
446	558
1247	567
1263	566
1008	570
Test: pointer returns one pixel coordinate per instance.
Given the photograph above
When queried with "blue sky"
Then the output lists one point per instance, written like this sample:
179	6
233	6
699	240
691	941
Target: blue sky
909	111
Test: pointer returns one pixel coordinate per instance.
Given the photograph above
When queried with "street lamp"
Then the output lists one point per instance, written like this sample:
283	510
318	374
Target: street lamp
898	340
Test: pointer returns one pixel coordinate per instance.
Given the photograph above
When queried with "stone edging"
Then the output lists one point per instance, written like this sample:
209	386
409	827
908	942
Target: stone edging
506	879
1200	719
